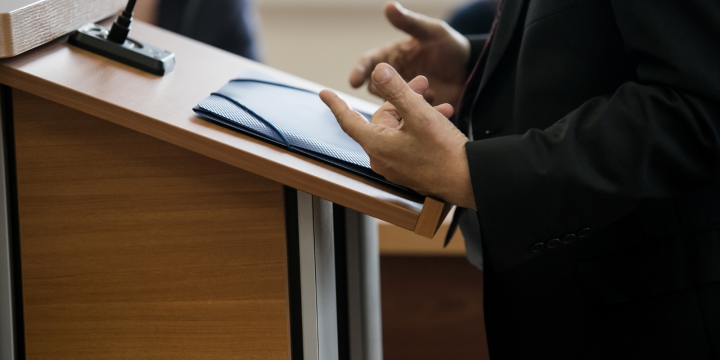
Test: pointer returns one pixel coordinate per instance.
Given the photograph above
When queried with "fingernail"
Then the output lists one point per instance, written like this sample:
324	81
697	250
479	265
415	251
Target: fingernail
381	74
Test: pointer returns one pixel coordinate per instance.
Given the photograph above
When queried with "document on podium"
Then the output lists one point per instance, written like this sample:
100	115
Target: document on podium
294	118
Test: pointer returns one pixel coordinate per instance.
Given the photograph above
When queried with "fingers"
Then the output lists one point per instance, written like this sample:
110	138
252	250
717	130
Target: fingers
365	66
429	96
426	92
391	87
419	85
420	81
419	26
350	120
416	25
445	109
387	115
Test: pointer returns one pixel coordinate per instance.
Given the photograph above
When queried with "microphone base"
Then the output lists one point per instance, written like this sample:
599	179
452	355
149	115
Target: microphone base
93	38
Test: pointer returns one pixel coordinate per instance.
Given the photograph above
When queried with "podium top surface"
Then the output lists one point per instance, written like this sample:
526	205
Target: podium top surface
162	107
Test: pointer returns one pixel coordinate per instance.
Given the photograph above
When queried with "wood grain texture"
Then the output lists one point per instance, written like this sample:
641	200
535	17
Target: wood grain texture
133	248
431	217
43	21
432	309
162	107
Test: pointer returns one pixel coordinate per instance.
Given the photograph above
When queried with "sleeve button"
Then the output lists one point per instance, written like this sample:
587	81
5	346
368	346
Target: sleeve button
569	238
584	232
537	247
551	244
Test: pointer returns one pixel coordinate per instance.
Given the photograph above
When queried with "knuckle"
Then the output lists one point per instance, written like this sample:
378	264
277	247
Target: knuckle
395	93
337	110
341	115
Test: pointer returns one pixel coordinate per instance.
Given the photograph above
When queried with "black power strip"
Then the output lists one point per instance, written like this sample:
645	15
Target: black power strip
131	52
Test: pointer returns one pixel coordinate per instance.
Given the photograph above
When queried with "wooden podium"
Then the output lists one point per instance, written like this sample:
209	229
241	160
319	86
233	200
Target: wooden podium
135	230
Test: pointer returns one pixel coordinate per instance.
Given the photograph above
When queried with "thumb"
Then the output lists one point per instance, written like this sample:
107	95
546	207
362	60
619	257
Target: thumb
416	25
391	87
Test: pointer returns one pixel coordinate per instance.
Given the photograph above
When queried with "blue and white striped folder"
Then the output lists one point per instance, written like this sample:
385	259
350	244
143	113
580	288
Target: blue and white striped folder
294	118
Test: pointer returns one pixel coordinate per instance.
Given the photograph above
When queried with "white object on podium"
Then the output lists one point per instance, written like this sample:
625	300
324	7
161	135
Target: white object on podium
26	24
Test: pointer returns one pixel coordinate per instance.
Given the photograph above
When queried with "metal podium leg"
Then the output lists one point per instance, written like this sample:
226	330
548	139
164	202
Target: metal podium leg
317	278
334	281
364	307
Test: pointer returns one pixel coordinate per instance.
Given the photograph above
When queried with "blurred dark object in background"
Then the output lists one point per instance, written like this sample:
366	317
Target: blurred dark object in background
230	25
474	18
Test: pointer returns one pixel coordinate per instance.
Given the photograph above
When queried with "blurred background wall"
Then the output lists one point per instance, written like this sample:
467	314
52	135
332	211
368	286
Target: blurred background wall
321	39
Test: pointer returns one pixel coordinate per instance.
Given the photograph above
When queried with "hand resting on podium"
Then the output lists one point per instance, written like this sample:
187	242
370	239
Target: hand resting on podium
410	142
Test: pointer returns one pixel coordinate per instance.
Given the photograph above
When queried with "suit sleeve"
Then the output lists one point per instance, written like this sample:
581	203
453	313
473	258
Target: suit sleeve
657	137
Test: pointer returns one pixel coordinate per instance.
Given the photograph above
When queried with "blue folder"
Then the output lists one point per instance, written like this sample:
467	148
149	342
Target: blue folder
294	118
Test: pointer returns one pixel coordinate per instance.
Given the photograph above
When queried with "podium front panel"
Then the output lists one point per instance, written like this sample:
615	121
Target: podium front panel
136	248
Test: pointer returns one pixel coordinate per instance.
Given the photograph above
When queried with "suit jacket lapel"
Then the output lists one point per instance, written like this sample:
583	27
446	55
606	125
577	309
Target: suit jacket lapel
511	10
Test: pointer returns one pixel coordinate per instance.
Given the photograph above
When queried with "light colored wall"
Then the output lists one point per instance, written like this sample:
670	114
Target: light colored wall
320	40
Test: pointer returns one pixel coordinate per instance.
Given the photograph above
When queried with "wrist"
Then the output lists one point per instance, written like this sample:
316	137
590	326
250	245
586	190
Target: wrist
464	196
458	190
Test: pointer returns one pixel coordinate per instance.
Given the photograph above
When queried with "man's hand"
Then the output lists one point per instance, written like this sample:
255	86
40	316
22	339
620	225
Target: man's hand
434	50
410	142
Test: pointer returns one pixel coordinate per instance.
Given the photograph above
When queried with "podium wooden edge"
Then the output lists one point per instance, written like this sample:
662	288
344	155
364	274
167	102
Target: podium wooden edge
428	222
431	217
400	216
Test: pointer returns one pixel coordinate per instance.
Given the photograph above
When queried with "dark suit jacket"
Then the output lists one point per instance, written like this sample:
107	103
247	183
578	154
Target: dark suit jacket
596	172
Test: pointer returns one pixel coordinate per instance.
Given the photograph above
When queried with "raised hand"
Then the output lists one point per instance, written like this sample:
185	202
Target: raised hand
433	50
410	142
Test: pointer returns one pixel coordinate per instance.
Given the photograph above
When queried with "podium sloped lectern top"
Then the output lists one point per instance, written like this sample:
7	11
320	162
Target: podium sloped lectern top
137	230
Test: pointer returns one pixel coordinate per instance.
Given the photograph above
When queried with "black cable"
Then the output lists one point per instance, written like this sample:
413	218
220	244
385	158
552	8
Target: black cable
121	27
